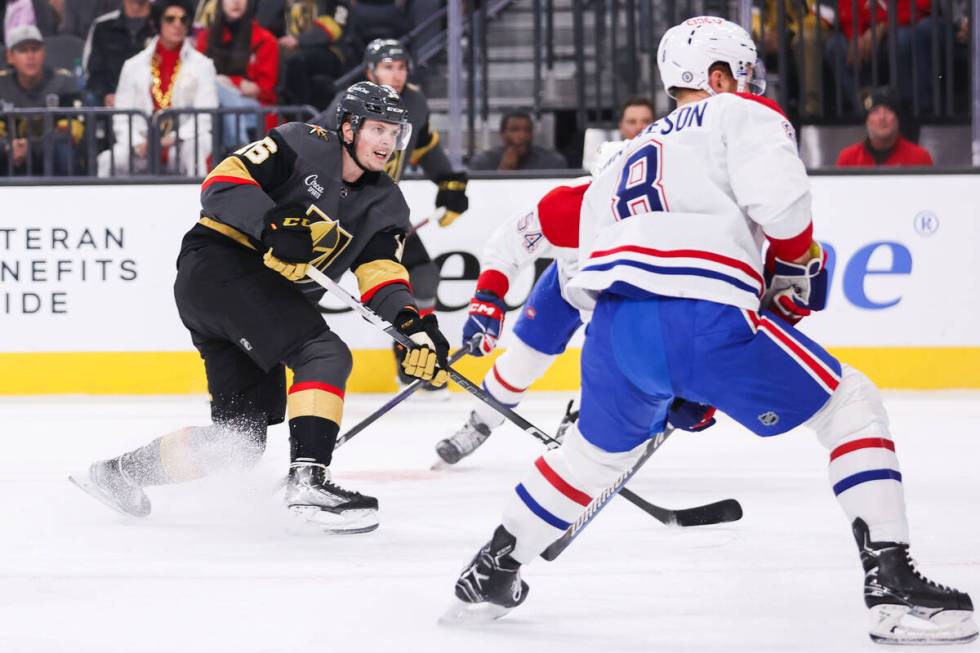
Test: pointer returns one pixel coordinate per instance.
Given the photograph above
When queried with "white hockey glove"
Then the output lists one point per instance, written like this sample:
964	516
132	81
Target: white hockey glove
794	290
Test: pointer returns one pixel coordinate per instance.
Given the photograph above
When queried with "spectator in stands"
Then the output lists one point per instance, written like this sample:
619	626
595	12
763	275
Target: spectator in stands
246	58
847	47
637	113
317	47
42	14
517	151
810	21
885	145
28	84
114	38
79	15
169	73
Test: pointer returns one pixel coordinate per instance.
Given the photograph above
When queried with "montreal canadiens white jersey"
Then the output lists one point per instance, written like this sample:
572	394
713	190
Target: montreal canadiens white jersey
548	229
682	210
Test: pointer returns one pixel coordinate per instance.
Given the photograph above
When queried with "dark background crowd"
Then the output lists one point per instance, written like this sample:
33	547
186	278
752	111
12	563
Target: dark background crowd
189	80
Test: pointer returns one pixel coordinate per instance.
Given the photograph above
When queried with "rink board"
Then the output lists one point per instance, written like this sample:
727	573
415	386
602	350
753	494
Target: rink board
86	276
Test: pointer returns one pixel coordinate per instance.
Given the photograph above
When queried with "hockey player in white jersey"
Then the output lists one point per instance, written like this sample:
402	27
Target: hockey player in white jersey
547	321
670	248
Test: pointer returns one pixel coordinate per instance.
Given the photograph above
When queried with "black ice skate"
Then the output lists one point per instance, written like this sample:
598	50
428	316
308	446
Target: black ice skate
314	499
106	482
464	441
490	585
906	607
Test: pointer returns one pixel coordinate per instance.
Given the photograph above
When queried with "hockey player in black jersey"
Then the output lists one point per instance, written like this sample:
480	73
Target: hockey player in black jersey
301	196
386	61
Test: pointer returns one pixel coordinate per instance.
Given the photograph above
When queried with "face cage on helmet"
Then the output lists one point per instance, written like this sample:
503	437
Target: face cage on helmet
404	135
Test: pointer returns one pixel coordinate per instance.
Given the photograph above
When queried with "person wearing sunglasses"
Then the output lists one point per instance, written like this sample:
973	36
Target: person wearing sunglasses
169	74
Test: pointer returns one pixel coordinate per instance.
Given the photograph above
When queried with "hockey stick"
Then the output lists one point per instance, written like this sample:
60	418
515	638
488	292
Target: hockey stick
435	216
604	497
407	392
373	318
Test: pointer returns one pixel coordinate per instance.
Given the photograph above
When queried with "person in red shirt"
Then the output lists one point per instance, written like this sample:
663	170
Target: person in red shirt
246	58
885	145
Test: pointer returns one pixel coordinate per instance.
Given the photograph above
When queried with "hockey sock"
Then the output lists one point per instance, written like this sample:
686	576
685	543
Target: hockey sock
557	490
194	452
864	471
315	410
510	377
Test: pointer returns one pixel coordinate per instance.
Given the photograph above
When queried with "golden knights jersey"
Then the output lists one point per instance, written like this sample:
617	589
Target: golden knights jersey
358	226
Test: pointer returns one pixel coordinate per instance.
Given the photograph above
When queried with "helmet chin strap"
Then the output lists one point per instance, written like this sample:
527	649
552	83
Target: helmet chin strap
352	150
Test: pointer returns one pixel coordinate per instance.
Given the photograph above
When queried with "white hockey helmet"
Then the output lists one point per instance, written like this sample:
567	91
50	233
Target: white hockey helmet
688	50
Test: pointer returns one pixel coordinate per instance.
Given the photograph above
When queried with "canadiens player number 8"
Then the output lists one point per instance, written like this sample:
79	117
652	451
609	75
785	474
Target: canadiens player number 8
640	188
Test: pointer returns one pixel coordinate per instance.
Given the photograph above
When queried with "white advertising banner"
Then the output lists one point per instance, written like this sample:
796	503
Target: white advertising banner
91	268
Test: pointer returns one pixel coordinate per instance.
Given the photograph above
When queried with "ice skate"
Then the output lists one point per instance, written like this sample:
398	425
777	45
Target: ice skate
906	607
314	500
105	481
490	585
464	441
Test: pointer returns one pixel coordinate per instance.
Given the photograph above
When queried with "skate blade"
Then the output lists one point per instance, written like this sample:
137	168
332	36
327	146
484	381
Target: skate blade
307	519
902	625
441	465
82	482
472	614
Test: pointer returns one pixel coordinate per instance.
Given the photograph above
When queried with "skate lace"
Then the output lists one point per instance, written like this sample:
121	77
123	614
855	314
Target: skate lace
913	565
336	489
469	436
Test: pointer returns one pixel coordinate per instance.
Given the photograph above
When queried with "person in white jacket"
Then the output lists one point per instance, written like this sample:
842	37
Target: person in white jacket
169	74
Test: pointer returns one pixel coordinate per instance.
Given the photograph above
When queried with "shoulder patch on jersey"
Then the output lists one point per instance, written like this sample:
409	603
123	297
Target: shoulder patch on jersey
764	101
318	131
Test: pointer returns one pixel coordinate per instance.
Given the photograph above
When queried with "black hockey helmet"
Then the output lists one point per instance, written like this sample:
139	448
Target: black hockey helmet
380	50
369	101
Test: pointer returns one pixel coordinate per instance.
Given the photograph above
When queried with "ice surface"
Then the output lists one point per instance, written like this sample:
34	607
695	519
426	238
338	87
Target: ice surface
213	568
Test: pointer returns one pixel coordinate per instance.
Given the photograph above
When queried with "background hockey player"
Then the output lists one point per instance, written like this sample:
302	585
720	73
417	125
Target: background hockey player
670	248
386	61
546	323
301	196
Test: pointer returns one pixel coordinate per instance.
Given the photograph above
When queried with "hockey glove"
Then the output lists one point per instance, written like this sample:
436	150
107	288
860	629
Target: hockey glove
485	322
429	360
452	195
794	290
290	241
690	415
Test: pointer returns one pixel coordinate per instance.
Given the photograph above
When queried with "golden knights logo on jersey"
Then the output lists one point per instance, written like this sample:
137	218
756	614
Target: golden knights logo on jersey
329	240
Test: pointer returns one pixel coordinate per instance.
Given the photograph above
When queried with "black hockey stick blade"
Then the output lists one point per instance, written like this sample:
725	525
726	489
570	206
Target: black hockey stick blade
719	512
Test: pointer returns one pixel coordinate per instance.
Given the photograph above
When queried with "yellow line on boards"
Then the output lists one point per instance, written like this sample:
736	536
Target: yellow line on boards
183	372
